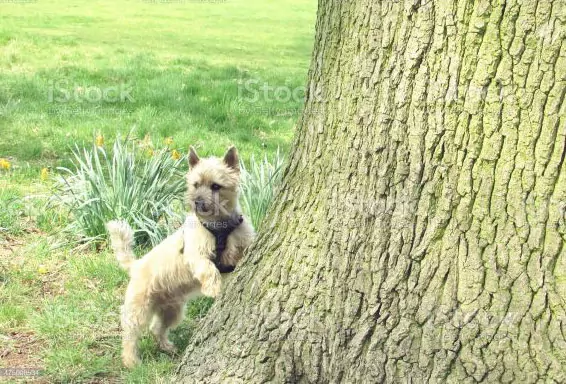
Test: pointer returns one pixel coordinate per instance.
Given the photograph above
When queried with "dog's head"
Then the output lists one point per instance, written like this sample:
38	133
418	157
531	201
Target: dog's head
212	184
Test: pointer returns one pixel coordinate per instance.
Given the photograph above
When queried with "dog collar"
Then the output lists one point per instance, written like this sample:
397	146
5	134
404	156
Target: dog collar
221	230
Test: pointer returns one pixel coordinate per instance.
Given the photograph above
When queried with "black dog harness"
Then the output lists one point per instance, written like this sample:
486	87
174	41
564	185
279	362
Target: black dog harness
221	230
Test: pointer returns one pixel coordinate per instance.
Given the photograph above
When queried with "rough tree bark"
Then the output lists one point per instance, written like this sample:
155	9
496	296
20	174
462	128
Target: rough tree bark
419	233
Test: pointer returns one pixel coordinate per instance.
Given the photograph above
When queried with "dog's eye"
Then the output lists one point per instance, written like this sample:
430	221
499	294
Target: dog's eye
195	185
215	187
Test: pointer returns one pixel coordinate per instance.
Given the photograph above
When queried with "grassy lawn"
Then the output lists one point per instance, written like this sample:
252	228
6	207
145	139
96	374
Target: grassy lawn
204	73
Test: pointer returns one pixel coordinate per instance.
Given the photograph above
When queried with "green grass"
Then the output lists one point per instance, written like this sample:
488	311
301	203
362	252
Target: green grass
190	67
185	63
11	208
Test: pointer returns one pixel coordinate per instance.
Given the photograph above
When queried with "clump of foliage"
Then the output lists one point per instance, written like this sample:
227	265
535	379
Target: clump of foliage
142	186
259	183
145	187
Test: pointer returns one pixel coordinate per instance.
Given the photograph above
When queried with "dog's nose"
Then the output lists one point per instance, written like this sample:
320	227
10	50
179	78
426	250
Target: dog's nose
199	203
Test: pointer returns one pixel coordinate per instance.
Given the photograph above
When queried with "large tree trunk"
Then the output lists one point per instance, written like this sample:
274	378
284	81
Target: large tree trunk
419	232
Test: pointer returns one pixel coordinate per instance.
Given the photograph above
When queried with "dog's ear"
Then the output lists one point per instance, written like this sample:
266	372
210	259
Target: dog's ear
231	158
193	157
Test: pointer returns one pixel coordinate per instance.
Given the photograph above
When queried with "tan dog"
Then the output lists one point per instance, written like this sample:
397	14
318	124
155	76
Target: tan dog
184	264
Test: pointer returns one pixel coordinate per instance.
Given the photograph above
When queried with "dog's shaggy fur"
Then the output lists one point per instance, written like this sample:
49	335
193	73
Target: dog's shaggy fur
181	266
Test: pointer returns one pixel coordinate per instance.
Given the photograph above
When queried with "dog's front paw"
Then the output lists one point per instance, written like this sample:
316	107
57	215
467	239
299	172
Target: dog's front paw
211	285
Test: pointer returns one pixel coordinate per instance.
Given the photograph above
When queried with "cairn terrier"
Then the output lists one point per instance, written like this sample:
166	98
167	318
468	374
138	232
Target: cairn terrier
190	261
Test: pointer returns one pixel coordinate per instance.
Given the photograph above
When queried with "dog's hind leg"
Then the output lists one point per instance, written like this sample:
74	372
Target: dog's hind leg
166	317
134	319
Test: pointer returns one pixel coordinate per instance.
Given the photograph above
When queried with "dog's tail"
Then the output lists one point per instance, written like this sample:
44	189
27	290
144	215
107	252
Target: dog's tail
122	241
